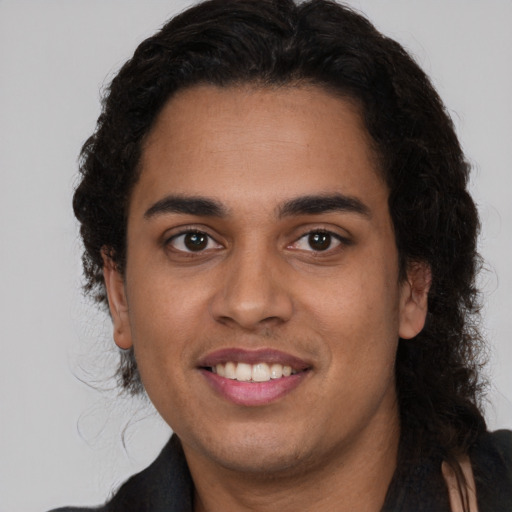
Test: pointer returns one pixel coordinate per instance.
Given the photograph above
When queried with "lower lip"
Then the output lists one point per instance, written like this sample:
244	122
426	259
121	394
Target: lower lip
251	394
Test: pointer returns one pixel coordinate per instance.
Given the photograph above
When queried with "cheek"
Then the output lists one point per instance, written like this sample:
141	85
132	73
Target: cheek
166	315
161	297
357	315
356	299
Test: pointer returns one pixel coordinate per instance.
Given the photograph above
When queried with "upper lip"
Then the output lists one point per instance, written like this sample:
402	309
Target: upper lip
265	355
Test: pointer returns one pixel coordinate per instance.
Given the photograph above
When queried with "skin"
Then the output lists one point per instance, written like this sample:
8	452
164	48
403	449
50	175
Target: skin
331	442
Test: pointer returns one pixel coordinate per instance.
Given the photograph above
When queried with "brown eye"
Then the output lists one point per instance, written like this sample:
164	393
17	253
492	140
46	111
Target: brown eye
195	241
192	241
320	241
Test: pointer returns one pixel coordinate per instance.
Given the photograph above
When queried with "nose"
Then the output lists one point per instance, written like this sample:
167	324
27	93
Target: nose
252	293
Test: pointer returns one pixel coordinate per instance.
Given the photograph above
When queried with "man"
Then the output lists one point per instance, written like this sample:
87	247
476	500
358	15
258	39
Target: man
274	205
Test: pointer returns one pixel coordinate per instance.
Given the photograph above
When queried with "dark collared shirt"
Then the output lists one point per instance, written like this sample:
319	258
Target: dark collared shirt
166	485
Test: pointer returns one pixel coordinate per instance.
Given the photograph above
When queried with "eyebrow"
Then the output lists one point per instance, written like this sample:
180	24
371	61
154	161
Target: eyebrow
316	204
304	205
200	206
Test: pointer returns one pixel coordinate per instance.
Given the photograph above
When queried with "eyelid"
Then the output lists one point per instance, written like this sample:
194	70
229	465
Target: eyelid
316	232
181	231
339	233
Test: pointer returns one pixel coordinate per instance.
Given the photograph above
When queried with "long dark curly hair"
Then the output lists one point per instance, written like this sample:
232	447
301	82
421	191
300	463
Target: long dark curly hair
279	42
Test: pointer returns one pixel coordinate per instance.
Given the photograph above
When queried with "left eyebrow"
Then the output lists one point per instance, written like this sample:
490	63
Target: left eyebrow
316	204
200	206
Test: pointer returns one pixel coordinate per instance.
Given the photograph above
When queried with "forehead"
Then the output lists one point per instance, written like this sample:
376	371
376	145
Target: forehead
252	142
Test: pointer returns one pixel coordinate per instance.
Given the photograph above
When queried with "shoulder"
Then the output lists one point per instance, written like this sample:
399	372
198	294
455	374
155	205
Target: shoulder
164	485
491	459
79	509
492	451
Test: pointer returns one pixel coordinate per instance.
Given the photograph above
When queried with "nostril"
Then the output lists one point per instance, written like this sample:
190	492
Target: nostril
250	294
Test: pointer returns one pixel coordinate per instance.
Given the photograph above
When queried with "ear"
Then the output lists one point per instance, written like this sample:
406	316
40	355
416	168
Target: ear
114	283
414	300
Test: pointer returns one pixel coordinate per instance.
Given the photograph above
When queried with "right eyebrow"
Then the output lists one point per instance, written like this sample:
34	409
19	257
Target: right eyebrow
192	205
317	204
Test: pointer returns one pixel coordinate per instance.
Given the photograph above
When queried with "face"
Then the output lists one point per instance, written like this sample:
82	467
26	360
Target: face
261	292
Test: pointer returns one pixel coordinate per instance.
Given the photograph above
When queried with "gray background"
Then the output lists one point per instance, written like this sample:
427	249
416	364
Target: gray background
60	439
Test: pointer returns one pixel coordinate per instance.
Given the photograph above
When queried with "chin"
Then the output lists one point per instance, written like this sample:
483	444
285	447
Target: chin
264	452
265	462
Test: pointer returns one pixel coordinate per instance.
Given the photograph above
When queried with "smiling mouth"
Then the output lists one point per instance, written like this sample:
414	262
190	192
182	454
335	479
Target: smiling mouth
253	377
259	372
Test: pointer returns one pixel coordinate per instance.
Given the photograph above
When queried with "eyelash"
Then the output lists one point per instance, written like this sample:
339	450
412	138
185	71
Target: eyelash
332	237
172	240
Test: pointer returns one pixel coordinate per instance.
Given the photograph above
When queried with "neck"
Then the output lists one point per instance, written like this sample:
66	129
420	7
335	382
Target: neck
353	477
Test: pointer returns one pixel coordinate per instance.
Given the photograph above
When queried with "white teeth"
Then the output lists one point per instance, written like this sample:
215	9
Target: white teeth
219	369
260	372
229	370
276	371
243	372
